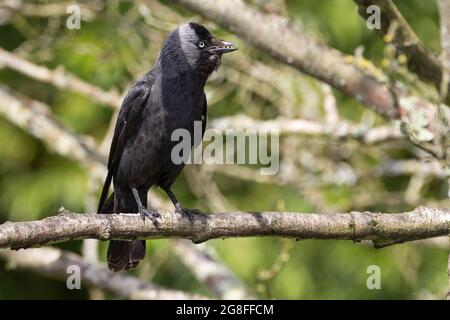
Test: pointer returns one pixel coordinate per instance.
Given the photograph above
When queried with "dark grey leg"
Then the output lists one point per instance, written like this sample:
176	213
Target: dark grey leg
190	213
144	212
176	203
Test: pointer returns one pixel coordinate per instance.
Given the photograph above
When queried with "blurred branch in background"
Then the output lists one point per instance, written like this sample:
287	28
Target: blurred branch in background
421	60
216	276
54	263
382	228
45	10
341	130
59	78
37	119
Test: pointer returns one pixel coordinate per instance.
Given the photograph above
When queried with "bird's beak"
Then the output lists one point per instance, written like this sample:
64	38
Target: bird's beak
222	46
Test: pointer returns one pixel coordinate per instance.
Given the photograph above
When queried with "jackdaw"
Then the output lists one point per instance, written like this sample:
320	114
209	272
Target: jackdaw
169	97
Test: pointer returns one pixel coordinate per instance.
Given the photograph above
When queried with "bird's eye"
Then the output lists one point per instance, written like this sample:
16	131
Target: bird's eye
201	44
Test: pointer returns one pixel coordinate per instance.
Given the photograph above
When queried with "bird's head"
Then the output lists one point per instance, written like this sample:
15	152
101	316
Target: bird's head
191	46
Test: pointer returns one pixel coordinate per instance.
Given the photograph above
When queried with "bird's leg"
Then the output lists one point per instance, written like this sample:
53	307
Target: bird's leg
179	209
144	212
176	203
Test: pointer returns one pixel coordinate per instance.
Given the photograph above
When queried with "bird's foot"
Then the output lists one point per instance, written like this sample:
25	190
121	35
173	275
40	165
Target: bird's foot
153	215
189	213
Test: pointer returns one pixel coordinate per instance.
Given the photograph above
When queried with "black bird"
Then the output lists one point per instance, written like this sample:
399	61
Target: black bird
169	97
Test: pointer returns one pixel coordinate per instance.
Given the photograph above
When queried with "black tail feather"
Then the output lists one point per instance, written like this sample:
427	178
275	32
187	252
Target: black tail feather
106	185
118	255
122	255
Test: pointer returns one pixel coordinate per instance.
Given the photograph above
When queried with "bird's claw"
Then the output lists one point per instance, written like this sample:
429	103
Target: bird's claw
150	214
189	213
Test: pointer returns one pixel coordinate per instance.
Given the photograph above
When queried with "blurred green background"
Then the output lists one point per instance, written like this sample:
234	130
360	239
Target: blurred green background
119	43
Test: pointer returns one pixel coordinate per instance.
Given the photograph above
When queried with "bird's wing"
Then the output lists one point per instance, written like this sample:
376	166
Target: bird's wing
129	115
130	111
204	115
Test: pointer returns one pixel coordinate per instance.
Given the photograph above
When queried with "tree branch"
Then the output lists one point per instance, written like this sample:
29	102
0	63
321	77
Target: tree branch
53	263
382	229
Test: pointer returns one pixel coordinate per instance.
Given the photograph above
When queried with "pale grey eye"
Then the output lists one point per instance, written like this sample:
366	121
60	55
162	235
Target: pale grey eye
201	44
